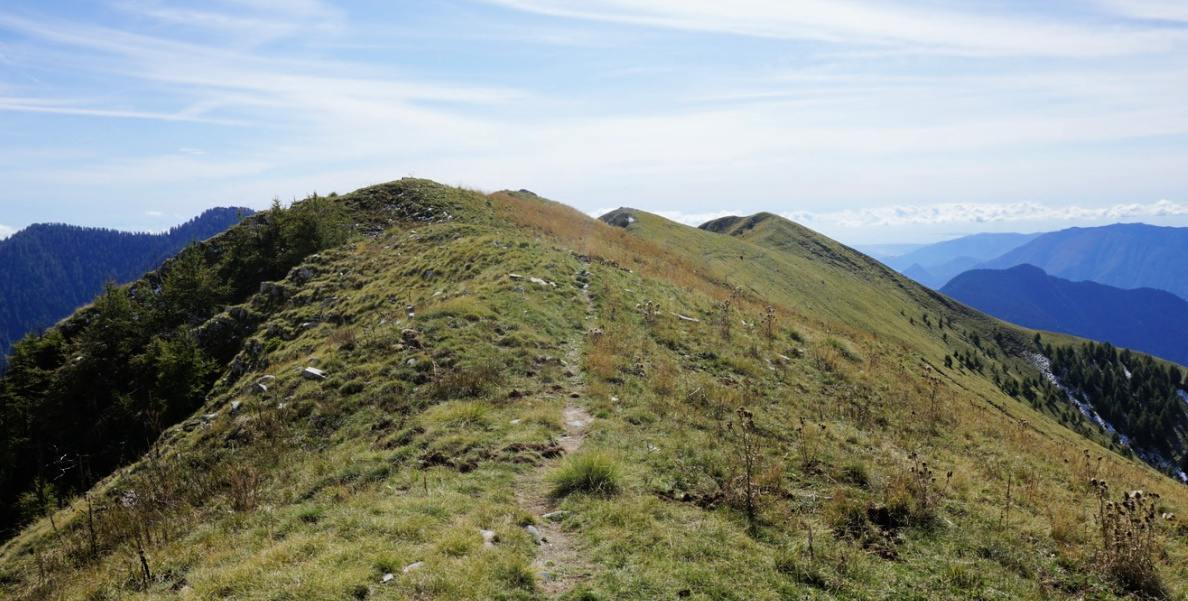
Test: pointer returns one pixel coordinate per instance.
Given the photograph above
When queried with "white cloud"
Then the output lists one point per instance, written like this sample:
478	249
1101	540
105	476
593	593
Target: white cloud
957	213
6	231
966	213
154	214
875	23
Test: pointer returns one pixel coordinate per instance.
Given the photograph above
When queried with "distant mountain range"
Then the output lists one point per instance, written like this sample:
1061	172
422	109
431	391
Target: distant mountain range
935	264
48	270
1128	256
1131	255
1143	319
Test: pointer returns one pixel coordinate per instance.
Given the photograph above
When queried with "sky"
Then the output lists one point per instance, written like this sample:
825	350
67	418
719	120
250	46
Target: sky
872	121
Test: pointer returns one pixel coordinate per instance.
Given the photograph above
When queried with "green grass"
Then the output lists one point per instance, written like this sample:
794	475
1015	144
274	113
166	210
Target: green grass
589	473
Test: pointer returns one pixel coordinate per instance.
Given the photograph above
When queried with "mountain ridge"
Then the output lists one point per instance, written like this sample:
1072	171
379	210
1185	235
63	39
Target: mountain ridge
776	414
1122	255
1144	319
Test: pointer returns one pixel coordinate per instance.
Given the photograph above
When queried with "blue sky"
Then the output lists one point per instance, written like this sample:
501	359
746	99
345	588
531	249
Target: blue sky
871	121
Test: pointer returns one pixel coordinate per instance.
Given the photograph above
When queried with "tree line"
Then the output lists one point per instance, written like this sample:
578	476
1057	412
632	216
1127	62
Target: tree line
49	270
82	398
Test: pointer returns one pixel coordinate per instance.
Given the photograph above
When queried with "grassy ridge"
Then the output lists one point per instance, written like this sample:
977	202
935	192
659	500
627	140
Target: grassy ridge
817	450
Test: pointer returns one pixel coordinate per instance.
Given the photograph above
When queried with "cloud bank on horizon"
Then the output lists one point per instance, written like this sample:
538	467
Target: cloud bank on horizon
880	117
961	214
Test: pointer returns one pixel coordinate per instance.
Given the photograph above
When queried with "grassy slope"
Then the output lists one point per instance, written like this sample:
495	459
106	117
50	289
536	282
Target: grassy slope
403	454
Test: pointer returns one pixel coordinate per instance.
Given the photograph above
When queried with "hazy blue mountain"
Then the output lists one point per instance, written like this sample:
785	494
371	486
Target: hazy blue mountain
48	270
1143	319
938	275
979	247
1132	255
935	264
886	251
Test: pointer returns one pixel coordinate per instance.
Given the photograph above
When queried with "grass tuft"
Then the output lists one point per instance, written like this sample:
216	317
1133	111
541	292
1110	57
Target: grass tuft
590	473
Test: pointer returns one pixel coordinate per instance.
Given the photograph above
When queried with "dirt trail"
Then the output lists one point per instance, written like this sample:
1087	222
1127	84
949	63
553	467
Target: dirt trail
560	562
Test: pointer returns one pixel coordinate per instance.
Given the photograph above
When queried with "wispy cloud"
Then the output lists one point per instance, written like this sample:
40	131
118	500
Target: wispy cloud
896	25
1170	10
6	231
808	105
258	21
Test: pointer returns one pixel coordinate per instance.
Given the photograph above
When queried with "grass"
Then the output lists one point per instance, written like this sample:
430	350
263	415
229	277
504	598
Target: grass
588	473
405	453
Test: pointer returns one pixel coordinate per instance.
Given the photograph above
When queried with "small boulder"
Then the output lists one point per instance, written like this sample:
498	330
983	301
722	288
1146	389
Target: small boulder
489	538
411	338
535	534
412	567
313	373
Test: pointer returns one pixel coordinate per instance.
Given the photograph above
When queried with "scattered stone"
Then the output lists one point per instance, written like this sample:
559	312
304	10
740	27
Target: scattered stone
569	374
614	399
519	289
489	538
515	276
556	515
209	417
516	421
387	578
685	318
313	373
262	388
539	281
411	362
574	395
273	289
547	576
438	293
235	405
535	534
412	567
784	357
309	325
411	338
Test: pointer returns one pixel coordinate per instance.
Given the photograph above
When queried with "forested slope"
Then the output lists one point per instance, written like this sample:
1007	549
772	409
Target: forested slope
47	270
